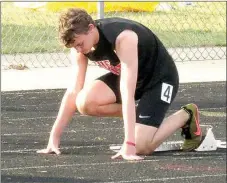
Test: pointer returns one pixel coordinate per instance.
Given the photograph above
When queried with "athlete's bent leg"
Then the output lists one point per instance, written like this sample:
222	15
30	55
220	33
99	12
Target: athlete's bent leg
98	100
168	127
148	138
143	136
151	128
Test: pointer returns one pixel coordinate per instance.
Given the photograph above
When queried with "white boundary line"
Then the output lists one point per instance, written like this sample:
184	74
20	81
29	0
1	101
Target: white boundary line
65	148
168	178
45	117
34	105
104	163
22	119
18	92
58	103
71	131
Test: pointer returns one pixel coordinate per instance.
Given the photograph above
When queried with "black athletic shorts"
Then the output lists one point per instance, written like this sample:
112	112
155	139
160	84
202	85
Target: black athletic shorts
153	103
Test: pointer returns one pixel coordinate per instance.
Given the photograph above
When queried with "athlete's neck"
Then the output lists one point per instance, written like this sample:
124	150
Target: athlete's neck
96	34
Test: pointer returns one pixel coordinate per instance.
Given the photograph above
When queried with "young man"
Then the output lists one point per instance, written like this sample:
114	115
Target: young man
140	69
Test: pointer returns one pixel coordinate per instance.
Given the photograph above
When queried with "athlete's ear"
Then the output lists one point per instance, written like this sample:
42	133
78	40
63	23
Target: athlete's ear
91	27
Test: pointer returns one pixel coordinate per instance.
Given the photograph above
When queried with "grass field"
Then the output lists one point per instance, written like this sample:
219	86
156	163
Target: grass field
26	31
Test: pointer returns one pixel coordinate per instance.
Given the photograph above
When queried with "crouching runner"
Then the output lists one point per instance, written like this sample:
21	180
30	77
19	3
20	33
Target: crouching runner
140	69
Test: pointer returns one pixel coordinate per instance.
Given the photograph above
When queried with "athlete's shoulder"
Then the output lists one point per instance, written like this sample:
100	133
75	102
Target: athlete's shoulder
115	20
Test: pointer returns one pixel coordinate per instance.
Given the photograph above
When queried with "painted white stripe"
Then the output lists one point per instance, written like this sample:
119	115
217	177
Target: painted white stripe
169	178
70	165
31	92
63	148
104	163
22	134
54	103
72	131
23	119
82	130
31	105
73	147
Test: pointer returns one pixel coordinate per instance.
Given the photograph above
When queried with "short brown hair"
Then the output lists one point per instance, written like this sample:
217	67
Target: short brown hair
73	22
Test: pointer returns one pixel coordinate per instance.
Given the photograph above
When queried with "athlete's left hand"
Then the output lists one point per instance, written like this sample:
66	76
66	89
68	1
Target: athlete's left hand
127	152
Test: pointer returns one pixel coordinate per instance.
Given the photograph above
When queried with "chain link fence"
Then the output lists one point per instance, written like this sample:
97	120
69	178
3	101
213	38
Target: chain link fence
192	31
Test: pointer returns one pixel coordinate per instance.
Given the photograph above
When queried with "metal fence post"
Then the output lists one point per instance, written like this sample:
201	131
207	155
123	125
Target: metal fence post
100	7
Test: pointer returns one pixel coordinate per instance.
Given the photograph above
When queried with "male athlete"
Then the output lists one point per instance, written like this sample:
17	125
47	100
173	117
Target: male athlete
140	69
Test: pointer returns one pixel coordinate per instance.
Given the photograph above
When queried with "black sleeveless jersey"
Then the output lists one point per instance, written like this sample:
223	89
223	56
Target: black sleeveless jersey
154	62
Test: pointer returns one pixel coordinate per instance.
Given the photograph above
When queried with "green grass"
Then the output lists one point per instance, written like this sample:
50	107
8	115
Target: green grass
26	31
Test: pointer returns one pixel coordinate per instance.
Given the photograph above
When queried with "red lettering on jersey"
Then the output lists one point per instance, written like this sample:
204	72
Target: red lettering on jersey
106	65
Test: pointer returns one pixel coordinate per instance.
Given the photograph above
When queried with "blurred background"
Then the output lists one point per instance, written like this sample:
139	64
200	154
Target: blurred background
192	31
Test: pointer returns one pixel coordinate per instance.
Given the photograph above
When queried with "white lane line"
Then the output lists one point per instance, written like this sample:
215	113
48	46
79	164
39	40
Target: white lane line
32	92
104	163
5	120
72	131
63	148
22	134
46	117
70	165
22	119
31	105
41	91
168	178
66	148
57	103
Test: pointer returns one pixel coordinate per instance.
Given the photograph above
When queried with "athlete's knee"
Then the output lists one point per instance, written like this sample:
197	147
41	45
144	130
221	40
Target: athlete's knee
85	105
142	148
142	145
146	148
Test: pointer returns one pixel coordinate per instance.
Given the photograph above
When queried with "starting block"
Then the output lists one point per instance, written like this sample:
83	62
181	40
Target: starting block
208	143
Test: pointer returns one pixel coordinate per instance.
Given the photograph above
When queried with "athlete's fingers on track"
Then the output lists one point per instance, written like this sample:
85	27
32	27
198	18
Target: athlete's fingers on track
127	157
49	151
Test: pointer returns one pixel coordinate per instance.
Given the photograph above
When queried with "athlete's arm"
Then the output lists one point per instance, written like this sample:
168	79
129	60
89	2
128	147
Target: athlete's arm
126	49
68	104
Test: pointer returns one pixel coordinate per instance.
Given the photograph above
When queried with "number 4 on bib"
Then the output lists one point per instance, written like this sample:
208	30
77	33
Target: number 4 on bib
166	93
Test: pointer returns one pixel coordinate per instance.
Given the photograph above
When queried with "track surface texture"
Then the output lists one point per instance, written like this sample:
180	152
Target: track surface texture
27	118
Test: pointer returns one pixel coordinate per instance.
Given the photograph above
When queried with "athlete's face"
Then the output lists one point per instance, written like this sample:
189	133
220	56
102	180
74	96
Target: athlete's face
84	42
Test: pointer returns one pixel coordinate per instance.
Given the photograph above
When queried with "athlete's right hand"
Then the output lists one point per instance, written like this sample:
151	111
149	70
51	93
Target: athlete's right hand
52	147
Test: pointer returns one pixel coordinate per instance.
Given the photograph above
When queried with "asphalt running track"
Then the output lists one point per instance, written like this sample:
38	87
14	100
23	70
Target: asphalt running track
27	117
